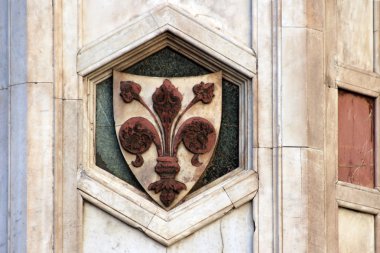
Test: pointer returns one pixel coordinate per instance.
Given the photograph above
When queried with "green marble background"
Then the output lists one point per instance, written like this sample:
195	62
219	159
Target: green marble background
167	63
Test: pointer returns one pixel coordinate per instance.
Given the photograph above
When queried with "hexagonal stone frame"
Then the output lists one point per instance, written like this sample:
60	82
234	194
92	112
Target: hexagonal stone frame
168	27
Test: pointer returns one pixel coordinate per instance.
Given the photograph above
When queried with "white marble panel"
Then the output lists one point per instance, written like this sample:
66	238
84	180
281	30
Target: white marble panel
31	171
4	44
356	232
104	233
294	13
265	201
40	176
237	230
228	16
355	33
18	171
313	182
69	46
206	240
265	74
315	89
39	41
294	201
4	170
69	172
303	13
294	83
18	40
100	17
31	37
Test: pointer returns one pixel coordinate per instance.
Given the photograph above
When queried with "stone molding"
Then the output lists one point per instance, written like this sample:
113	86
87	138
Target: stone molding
158	21
167	227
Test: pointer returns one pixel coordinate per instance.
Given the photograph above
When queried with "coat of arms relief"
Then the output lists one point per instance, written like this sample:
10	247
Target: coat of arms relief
167	130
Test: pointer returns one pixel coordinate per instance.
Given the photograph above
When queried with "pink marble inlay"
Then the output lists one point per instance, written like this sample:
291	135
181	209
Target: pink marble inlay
356	139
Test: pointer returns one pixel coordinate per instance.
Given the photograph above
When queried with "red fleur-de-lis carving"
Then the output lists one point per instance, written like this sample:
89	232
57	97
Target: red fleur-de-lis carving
137	134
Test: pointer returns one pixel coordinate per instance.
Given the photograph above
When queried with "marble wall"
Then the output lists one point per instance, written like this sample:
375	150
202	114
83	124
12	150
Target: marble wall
305	50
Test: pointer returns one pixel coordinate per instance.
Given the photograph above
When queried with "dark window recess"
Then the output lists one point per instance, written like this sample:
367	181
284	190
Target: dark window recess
356	138
167	63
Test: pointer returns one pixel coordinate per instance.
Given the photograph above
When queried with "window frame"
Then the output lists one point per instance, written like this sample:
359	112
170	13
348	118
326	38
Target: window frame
343	194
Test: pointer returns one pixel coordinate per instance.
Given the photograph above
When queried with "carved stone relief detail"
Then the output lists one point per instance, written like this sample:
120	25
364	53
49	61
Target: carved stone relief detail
167	119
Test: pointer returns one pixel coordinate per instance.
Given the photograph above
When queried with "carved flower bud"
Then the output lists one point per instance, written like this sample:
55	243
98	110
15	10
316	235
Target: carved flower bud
204	92
167	102
129	91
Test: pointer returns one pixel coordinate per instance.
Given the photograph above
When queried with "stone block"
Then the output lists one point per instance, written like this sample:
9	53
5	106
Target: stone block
356	231
4	44
294	13
70	46
19	41
265	219
241	223
112	14
104	233
40	176
315	10
39	56
294	87
222	15
355	33
4	169
70	152
314	183
18	170
315	89
294	199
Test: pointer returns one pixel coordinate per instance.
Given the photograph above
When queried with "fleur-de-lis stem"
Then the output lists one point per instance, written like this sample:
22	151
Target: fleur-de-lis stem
167	101
137	134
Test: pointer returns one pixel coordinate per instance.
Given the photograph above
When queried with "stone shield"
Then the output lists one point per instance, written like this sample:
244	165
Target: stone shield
167	130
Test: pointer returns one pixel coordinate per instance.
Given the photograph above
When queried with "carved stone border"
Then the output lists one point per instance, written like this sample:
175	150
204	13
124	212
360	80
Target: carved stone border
120	50
158	21
122	201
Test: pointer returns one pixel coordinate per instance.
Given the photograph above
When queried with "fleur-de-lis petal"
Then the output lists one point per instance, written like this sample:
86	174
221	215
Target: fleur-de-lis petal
204	92
129	91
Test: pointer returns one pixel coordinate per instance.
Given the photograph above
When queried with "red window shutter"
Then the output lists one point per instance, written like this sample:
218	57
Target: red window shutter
356	139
